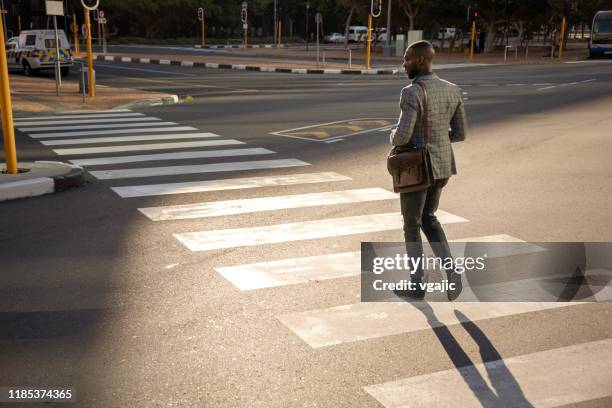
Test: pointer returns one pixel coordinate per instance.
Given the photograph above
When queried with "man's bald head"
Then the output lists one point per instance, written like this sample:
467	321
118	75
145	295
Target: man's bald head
420	49
418	58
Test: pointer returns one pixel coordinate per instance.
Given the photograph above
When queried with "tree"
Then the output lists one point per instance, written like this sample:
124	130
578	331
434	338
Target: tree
411	8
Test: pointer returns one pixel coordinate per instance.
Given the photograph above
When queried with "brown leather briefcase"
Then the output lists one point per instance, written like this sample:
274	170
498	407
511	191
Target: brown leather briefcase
410	167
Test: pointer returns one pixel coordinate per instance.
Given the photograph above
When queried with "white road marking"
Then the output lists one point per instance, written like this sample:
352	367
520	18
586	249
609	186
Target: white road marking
147	70
314	268
100	122
200	154
270	203
90	115
144	147
545	379
98	126
335	227
547	87
96	140
111	132
227	184
196	169
361	321
588	80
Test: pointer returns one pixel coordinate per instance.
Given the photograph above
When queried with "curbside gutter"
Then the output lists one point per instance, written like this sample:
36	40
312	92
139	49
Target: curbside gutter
238	67
73	177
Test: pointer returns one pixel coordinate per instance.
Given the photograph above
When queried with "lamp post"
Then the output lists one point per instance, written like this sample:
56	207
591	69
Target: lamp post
307	13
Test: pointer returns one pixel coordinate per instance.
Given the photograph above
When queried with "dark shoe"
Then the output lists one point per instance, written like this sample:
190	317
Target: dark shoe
418	294
454	278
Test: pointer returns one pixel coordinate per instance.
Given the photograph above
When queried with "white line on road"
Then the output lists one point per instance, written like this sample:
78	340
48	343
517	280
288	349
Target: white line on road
111	132
227	184
100	122
547	87
271	203
144	147
361	321
98	161
95	140
335	227
98	126
314	268
588	80
196	169
94	115
147	70
545	379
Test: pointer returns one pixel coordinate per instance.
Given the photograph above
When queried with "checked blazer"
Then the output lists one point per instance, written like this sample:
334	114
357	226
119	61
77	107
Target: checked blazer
445	117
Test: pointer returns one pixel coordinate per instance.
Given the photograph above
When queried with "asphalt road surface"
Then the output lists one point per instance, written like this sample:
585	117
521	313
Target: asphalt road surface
140	306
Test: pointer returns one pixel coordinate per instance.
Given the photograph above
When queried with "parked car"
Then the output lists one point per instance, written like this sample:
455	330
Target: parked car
36	50
335	38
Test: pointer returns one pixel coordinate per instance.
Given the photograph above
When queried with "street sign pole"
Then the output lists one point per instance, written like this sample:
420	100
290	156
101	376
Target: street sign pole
473	38
318	20
245	24
307	33
6	105
374	13
90	67
202	27
58	71
76	33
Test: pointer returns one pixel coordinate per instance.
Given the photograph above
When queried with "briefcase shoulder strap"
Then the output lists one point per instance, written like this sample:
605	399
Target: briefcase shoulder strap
424	121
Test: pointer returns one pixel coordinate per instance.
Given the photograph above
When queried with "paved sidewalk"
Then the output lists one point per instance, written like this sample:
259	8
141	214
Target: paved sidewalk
37	94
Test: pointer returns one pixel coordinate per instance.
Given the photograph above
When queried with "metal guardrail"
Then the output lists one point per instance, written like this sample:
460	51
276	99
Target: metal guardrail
510	47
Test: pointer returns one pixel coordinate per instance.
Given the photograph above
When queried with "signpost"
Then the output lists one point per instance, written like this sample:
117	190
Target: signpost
318	20
307	13
375	11
202	26
245	24
8	131
90	67
56	8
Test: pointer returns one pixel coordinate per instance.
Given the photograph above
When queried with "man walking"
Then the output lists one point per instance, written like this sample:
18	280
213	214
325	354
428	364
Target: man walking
444	110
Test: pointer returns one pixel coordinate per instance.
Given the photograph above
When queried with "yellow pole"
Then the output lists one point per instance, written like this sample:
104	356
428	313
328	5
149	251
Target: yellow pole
473	39
369	42
280	34
561	38
90	67
19	23
245	37
203	32
10	152
76	34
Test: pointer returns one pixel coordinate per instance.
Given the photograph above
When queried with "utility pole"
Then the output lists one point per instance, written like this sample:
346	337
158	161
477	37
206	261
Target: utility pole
275	23
307	33
388	47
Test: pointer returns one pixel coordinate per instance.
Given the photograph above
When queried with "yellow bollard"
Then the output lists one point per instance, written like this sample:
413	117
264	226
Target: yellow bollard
280	33
76	34
10	151
369	42
90	67
472	41
561	38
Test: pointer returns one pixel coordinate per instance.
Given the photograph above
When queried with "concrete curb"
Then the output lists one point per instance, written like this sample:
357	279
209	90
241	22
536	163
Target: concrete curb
73	178
213	65
144	103
213	47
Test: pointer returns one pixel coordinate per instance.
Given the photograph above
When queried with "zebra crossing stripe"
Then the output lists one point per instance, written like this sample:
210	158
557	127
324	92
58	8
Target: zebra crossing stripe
98	126
95	140
143	147
361	321
243	206
83	121
98	161
316	268
552	378
111	132
196	169
226	184
18	121
335	227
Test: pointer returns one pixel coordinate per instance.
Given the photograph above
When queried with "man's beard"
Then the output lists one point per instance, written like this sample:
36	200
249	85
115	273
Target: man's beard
413	72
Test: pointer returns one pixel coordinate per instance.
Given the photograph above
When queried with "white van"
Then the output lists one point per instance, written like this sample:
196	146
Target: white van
357	33
36	50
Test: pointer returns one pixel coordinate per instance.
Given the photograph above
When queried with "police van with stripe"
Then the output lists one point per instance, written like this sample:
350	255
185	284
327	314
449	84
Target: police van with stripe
35	50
